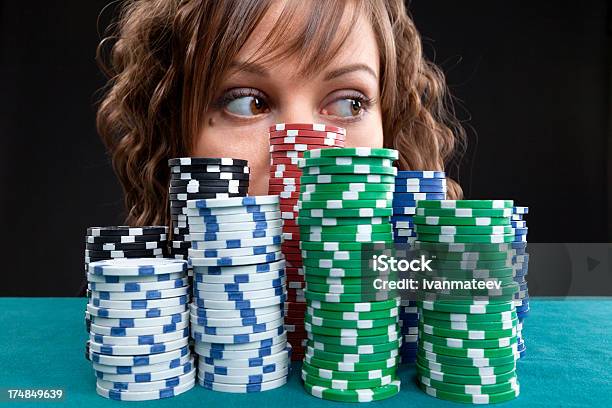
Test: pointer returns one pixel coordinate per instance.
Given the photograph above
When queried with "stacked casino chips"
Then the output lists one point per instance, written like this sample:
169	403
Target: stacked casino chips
239	290
193	178
521	268
352	328
411	186
288	142
103	243
468	338
139	328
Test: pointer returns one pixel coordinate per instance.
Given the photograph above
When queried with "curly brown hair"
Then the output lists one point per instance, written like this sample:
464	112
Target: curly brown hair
164	59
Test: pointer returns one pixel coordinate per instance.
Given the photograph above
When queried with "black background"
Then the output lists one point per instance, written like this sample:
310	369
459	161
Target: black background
533	79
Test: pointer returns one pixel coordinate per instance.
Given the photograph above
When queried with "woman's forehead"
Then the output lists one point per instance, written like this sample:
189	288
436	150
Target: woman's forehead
312	37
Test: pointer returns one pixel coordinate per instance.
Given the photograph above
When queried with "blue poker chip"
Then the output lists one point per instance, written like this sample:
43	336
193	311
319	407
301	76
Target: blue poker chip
237	243
404	240
420	196
520	210
409	316
423	174
520	231
420	182
516	217
400	203
518	245
518	224
420	189
256	268
404	218
234	202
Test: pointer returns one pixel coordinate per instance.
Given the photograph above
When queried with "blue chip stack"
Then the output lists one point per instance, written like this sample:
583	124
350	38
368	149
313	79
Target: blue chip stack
521	268
139	328
201	178
239	292
411	186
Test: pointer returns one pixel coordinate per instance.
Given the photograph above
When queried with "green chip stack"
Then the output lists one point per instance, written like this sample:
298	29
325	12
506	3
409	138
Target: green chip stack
467	347
352	351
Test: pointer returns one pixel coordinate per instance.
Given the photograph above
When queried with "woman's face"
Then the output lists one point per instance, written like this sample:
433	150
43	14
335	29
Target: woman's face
249	100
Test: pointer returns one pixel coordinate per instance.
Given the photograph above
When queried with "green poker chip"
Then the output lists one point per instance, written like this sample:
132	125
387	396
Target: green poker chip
352	340
468	362
344	212
475	318
346	229
355	307
464	212
361	395
342	272
344	366
475	307
348	178
350	297
463	229
346	161
350	324
342	187
344	246
467	239
347	384
463	370
337	263
365	281
351	358
485	204
348	375
445	324
472	398
465	344
467	334
469	265
466	221
352	169
471	256
442	276
334	331
334	222
359	237
460	248
363	349
347	196
479	273
334	255
345	204
468	353
366	287
353	152
469	390
465	379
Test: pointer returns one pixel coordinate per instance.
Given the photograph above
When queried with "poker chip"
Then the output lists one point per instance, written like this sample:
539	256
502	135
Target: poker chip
137	317
318	127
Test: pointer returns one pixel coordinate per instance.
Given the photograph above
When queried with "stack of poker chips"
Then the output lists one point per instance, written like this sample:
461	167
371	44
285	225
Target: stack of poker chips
352	328
239	290
468	343
139	328
288	142
521	268
193	178
103	243
411	186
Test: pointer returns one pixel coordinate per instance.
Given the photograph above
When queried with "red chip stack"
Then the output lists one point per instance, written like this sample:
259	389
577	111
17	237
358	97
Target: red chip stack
288	141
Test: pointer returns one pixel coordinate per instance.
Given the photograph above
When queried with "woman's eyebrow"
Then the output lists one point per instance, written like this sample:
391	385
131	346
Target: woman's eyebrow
348	69
250	67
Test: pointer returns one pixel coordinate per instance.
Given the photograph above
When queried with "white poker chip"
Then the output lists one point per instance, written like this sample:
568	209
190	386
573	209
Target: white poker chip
269	341
137	266
234	339
166	365
91	278
235	226
134	313
138	349
239	287
238	260
245	388
140	303
233	202
243	379
222	253
138	286
239	279
249	209
137	331
240	304
242	269
237	322
131	361
237	330
145	322
237	243
238	296
121	395
137	340
234	218
152	294
230	314
149	377
205	351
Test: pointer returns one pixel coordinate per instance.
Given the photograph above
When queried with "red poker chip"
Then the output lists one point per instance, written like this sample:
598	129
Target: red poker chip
297	357
290	250
298	299
292	141
292	243
284	181
305	133
288	195
292	270
294	291
320	127
298	342
290	223
296	334
294	320
288	215
295	314
290	201
275	189
293	257
298	147
289	207
295	276
293	307
291	228
295	328
286	154
291	161
285	174
299	351
296	285
284	167
295	263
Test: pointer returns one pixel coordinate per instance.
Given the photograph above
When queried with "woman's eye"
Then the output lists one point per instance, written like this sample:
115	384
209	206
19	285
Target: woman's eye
344	108
247	106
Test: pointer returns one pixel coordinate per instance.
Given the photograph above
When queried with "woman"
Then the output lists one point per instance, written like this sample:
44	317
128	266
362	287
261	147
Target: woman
208	77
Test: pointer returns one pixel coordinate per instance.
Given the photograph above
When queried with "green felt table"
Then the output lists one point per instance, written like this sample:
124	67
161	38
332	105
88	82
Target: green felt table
568	361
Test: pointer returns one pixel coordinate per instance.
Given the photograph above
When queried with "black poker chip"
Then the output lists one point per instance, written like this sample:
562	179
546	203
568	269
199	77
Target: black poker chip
176	210
129	246
136	253
204	196
126	230
180	231
90	259
192	161
209	168
207	189
181	237
209	183
125	238
180	245
209	176
179	251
